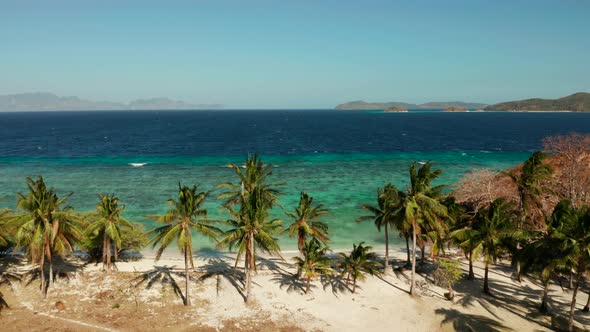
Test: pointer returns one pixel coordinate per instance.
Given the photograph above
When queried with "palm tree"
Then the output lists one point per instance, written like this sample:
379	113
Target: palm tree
487	233
4	217
387	215
248	203
314	263
529	183
421	207
45	226
572	229
184	216
359	262
306	223
548	252
110	225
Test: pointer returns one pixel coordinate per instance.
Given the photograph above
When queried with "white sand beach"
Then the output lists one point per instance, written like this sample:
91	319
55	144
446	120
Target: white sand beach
96	301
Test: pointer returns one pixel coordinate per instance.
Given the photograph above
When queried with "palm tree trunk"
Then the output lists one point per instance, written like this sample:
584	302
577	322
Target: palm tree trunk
408	262
486	287
570	324
50	257
186	259
108	241
543	307
412	281
50	272
587	306
308	285
104	252
42	271
471	275
249	254
386	265
353	284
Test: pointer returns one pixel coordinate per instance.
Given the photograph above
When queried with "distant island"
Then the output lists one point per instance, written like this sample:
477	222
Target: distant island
578	102
362	105
43	101
395	109
455	109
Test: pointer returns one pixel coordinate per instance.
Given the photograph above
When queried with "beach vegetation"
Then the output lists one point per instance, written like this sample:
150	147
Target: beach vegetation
423	209
447	273
45	227
314	263
306	221
249	201
109	226
356	265
184	216
387	215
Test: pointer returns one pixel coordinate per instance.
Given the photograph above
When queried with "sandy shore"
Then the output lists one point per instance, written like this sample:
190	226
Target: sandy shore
143	296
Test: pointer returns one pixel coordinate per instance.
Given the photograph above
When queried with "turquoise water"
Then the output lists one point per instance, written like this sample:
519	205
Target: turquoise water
342	182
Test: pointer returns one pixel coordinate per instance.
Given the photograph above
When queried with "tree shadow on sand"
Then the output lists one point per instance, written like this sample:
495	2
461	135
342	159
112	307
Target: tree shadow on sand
216	265
163	275
467	322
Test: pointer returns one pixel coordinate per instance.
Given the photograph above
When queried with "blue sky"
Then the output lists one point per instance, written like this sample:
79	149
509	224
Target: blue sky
296	54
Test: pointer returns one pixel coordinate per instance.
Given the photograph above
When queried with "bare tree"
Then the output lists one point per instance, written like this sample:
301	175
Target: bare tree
572	156
480	187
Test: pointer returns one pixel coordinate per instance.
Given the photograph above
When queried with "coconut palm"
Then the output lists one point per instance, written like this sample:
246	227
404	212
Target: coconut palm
548	252
249	202
486	234
529	183
422	208
184	216
4	217
314	263
358	263
109	226
45	226
386	214
305	221
572	229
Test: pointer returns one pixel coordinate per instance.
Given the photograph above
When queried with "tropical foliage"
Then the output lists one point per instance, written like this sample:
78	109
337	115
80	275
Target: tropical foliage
314	263
358	263
387	214
45	226
306	221
249	202
185	216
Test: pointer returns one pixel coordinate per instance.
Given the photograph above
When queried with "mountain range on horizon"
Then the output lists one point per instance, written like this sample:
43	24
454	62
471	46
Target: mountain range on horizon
362	105
577	102
44	101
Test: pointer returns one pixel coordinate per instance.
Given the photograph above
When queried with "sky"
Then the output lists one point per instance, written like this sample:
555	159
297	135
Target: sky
296	54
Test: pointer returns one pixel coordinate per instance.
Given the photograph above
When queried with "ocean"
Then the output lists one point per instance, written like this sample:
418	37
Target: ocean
338	157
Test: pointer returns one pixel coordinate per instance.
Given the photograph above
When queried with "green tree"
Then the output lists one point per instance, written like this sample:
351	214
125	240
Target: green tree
45	226
486	234
314	263
110	226
530	185
358	263
306	221
386	214
249	202
549	252
447	274
422	208
184	216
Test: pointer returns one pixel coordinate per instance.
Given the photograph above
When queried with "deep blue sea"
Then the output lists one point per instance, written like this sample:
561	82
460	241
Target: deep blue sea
339	157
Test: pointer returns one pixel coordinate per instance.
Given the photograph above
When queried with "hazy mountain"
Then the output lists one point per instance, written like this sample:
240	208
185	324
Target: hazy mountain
362	105
578	102
43	101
